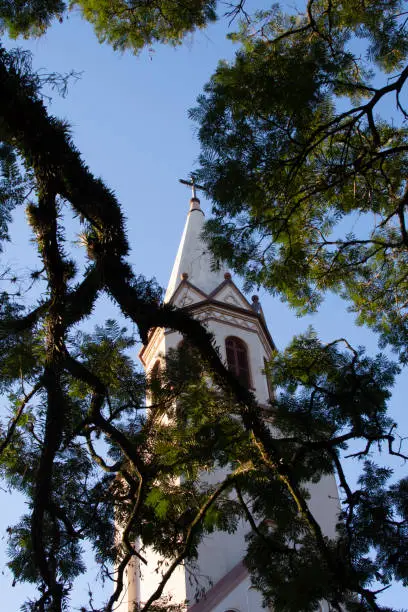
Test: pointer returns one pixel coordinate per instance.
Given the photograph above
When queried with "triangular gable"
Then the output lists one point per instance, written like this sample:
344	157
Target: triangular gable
187	294
229	293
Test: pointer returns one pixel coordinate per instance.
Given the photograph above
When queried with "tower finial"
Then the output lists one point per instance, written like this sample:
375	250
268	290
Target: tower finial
191	183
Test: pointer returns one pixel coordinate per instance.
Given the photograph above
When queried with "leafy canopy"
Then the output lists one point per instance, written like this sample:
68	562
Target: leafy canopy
77	441
124	24
304	152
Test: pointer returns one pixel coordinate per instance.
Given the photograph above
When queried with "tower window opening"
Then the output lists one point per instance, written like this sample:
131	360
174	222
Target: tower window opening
237	359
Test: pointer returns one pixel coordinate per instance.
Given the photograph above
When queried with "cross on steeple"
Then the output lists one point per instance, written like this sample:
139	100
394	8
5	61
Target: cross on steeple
191	183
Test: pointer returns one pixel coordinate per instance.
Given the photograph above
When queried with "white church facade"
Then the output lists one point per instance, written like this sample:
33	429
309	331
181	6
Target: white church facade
245	344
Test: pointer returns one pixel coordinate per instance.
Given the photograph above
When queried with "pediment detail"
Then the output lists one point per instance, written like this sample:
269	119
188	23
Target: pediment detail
228	293
230	319
187	295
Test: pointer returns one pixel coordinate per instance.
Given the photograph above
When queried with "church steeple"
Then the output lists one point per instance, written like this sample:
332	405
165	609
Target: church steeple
193	256
240	332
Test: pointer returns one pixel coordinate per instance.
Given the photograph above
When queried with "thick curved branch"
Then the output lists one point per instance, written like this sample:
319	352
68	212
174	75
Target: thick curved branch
79	371
44	220
78	303
98	459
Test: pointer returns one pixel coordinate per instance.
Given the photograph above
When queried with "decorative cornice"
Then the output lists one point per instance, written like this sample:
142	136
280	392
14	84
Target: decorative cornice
224	283
229	283
251	314
184	283
205	317
211	309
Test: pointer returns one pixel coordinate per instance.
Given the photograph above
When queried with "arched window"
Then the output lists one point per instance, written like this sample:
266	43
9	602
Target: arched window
237	359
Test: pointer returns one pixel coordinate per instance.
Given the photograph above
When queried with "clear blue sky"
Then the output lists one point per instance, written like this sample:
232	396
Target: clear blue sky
129	120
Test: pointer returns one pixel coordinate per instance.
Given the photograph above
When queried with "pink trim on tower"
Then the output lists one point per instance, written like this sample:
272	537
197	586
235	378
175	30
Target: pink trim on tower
221	589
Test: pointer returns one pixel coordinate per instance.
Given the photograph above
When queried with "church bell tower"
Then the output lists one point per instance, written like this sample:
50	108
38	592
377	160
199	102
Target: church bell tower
245	343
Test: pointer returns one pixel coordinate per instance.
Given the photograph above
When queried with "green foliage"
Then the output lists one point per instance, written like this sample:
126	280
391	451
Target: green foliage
136	24
276	575
328	397
29	18
381	522
81	507
327	400
125	25
20	351
11	186
15	184
286	168
325	390
306	161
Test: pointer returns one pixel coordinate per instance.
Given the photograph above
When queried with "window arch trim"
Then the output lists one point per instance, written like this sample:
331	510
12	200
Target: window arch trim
237	354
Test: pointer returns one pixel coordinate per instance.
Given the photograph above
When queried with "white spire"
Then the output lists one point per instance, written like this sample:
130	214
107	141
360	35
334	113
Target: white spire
193	256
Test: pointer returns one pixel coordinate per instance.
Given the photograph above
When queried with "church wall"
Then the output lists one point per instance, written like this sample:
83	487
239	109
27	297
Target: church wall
151	575
242	599
211	296
257	352
220	552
